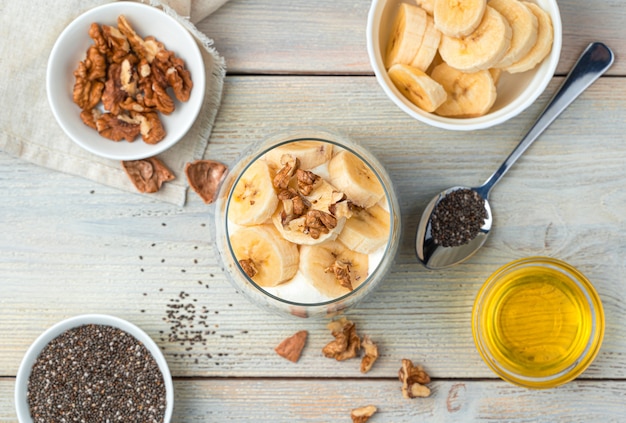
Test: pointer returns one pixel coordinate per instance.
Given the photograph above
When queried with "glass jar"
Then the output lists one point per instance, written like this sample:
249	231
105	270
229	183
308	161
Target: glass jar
311	254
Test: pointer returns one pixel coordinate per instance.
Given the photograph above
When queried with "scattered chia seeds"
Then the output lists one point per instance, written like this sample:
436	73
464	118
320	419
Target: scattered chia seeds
457	218
96	373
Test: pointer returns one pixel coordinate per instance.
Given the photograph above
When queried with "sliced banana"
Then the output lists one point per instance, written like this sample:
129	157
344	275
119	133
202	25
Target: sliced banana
406	34
321	264
264	255
429	47
427	5
367	230
418	87
253	200
543	45
524	29
469	94
483	48
458	18
298	231
350	175
310	153
495	74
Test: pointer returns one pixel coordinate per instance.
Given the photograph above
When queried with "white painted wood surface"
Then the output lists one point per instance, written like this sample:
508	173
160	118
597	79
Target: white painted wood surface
69	246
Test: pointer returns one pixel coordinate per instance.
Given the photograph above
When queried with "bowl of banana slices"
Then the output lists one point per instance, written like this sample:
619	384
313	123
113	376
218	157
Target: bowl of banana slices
307	223
464	64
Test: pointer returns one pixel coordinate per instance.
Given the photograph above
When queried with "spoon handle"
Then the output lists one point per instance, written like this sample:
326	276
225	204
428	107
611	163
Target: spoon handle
592	63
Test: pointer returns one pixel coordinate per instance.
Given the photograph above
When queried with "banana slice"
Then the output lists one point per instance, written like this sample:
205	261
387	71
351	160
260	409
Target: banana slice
495	74
264	255
406	35
481	49
354	178
419	88
469	94
310	153
328	265
524	29
298	230
458	18
367	230
427	5
254	199
545	37
428	49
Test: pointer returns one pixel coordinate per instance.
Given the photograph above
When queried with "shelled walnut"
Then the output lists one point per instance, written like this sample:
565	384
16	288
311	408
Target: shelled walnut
129	76
346	344
362	414
148	174
414	380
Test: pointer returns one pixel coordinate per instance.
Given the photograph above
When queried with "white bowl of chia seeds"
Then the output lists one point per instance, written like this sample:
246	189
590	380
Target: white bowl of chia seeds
94	367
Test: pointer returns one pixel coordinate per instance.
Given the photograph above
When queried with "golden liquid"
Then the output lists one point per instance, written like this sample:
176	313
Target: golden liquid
537	323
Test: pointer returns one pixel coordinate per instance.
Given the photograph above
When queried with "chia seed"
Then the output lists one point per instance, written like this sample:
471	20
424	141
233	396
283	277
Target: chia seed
96	373
457	218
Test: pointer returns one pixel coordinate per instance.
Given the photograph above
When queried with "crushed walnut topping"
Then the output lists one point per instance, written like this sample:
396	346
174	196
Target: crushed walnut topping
413	378
248	266
341	269
307	181
291	348
346	344
318	222
371	354
283	176
362	414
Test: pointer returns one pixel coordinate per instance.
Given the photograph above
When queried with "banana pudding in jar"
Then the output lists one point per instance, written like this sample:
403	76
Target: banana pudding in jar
308	224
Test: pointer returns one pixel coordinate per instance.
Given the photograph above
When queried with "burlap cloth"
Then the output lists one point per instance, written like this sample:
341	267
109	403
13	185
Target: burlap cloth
28	129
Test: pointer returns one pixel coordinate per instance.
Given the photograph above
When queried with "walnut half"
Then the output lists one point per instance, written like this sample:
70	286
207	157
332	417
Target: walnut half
413	380
371	354
148	174
346	344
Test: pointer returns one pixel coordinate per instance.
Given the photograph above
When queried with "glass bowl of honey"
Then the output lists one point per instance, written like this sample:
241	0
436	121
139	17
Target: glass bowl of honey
538	322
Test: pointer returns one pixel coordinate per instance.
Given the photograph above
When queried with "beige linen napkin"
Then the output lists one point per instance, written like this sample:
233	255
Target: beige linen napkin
28	130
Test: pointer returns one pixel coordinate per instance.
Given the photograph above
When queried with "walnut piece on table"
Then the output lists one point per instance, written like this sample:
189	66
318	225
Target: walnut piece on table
205	178
413	380
362	414
291	348
148	175
371	354
346	344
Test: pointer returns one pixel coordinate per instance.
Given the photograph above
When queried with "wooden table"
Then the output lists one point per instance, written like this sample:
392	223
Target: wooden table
69	246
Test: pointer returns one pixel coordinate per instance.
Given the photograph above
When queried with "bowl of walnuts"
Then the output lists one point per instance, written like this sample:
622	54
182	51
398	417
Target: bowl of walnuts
125	80
464	65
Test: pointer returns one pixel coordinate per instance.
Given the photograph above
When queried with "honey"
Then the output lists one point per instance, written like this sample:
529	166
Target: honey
538	322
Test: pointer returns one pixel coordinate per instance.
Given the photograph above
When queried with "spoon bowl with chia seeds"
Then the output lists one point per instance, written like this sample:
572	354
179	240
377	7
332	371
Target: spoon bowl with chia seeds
457	221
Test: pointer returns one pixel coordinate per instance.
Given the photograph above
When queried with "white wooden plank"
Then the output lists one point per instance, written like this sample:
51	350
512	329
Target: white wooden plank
258	36
287	400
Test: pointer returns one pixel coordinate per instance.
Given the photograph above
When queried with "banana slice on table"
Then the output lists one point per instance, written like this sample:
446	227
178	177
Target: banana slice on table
469	94
406	34
458	18
418	87
429	47
524	29
332	268
350	175
543	45
299	230
309	153
253	200
483	48
264	255
367	230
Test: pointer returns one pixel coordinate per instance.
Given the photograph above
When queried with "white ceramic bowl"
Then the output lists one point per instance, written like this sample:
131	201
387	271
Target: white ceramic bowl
23	373
70	49
516	92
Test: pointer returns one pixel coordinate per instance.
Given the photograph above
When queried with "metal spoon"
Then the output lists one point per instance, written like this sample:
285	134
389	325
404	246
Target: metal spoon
592	63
